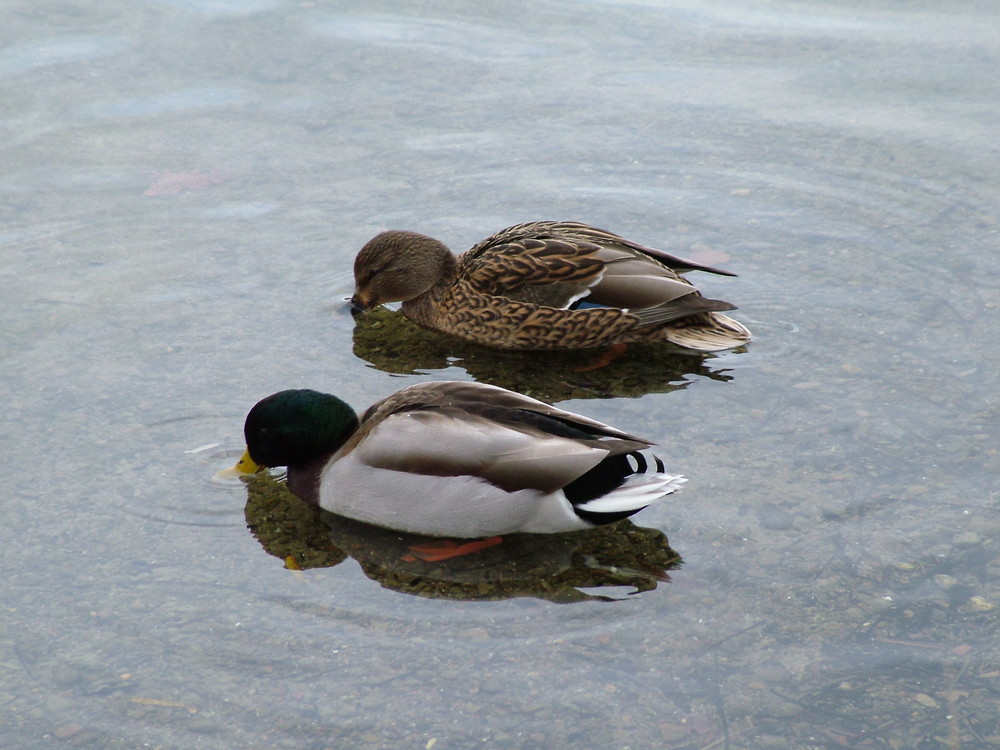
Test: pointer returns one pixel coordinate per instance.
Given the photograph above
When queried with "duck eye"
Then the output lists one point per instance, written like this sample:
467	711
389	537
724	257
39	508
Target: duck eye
370	274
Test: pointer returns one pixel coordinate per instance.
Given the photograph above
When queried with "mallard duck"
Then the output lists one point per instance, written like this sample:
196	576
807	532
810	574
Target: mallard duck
545	285
455	459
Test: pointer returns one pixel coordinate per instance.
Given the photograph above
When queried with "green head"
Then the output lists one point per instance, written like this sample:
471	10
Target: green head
289	428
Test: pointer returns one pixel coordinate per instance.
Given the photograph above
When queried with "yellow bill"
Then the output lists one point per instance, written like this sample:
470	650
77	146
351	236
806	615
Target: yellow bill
245	465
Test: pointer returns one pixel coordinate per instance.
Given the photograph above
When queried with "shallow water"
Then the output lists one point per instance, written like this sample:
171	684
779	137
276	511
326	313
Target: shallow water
183	188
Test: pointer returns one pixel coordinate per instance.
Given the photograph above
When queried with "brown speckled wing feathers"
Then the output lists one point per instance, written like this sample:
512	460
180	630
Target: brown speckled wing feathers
532	262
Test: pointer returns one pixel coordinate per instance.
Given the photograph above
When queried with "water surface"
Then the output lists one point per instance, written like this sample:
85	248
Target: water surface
184	186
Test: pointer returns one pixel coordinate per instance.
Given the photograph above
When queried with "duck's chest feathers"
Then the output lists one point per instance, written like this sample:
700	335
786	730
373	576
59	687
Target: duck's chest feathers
304	480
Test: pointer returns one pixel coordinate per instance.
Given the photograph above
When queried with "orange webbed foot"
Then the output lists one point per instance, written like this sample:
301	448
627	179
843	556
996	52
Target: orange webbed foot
447	549
604	359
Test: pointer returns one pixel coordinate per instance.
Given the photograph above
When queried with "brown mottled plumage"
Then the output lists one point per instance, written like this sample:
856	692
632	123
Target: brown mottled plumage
520	288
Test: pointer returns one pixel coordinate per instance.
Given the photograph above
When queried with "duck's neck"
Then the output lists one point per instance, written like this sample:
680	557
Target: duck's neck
420	308
303	479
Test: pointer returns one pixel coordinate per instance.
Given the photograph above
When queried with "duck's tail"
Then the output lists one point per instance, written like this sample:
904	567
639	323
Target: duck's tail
709	332
620	486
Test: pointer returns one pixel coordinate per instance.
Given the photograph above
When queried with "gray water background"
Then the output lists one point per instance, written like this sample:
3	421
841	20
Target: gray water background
183	186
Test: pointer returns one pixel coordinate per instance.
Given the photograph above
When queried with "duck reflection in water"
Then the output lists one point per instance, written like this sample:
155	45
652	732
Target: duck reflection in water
576	566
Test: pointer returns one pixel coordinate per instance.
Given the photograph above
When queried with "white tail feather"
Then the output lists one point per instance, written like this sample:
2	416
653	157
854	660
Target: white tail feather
638	491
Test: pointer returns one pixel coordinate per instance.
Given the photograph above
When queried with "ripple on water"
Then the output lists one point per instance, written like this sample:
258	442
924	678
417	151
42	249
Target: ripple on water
179	488
370	617
453	39
848	257
776	319
223	7
171	102
56	51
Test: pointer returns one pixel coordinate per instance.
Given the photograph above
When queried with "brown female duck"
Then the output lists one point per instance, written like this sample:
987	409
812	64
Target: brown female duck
545	285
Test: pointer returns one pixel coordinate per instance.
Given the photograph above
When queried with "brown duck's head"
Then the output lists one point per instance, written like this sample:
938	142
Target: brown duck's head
397	266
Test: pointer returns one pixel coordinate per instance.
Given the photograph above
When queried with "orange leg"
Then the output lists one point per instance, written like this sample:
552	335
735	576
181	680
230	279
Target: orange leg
447	549
604	359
